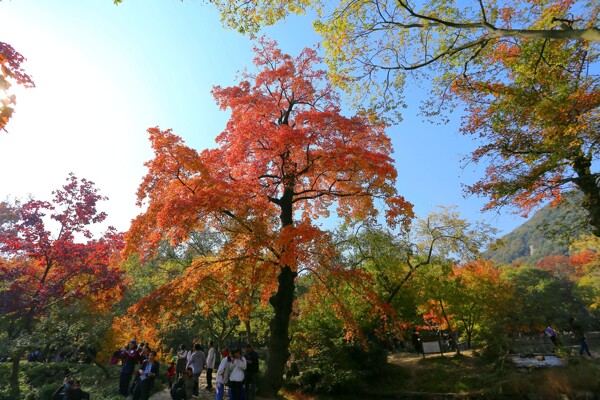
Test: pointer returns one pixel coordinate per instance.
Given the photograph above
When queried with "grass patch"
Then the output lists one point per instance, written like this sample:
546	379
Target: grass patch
473	376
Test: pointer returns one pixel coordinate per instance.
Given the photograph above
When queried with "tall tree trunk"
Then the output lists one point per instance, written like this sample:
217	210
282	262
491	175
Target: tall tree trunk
282	302
279	342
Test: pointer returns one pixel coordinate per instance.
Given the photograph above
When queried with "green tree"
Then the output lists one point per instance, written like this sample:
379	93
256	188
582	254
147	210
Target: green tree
393	259
480	297
542	298
372	46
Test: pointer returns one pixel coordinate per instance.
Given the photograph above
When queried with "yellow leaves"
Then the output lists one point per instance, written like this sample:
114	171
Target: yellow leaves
585	254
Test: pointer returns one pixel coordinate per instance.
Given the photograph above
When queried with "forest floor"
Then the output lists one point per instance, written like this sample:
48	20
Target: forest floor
436	376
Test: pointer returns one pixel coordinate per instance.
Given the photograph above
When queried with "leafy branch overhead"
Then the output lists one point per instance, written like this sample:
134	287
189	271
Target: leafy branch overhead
10	72
371	46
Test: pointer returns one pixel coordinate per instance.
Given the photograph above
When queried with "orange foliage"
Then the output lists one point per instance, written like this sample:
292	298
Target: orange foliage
534	111
285	157
557	264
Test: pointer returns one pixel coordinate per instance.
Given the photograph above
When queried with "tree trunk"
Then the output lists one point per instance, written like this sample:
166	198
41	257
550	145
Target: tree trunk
282	302
15	392
590	186
591	202
449	326
248	332
97	363
279	342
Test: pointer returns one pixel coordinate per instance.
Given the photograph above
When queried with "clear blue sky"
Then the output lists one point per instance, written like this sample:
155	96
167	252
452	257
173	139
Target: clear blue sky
106	73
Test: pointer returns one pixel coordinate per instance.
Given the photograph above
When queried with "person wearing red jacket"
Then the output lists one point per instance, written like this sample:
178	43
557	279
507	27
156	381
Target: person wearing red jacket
129	358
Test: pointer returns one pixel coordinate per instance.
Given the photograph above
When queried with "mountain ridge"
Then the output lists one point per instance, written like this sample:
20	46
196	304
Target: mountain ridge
547	232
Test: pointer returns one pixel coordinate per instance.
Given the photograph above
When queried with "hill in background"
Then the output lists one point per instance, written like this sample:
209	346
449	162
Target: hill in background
546	233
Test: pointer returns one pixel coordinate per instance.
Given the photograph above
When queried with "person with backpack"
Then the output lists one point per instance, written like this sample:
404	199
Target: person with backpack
183	389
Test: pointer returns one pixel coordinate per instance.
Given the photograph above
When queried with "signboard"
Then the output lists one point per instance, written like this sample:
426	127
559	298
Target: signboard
431	347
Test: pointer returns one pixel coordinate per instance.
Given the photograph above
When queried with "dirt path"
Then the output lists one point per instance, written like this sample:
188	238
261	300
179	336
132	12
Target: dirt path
202	395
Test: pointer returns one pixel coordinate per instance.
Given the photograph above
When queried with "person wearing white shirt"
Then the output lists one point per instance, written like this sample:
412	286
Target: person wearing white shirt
236	377
182	355
210	365
223	374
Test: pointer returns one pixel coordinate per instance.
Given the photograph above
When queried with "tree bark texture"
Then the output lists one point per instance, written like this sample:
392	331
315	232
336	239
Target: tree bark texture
279	353
282	303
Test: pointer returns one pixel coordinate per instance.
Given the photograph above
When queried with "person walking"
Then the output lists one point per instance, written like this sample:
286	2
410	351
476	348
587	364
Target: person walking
580	336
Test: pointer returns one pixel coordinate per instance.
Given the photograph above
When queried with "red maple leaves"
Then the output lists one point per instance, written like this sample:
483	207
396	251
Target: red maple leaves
44	264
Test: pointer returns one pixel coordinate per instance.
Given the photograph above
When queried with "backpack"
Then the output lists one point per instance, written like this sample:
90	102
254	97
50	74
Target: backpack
178	390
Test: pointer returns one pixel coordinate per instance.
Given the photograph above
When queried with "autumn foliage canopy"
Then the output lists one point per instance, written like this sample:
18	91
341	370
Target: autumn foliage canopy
285	144
286	157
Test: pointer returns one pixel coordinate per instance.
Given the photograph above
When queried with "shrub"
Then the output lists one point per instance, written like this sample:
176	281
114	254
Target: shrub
339	367
38	381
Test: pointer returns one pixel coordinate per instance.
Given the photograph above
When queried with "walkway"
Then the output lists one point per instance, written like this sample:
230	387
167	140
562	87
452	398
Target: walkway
203	393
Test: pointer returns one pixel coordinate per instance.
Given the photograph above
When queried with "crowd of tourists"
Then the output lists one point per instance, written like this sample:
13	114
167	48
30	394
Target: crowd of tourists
236	371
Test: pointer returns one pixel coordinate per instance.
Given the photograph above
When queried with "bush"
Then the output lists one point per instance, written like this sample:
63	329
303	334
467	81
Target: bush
341	368
38	381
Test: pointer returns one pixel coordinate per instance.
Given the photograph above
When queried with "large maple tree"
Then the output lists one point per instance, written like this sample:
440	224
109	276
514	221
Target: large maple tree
49	258
285	157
